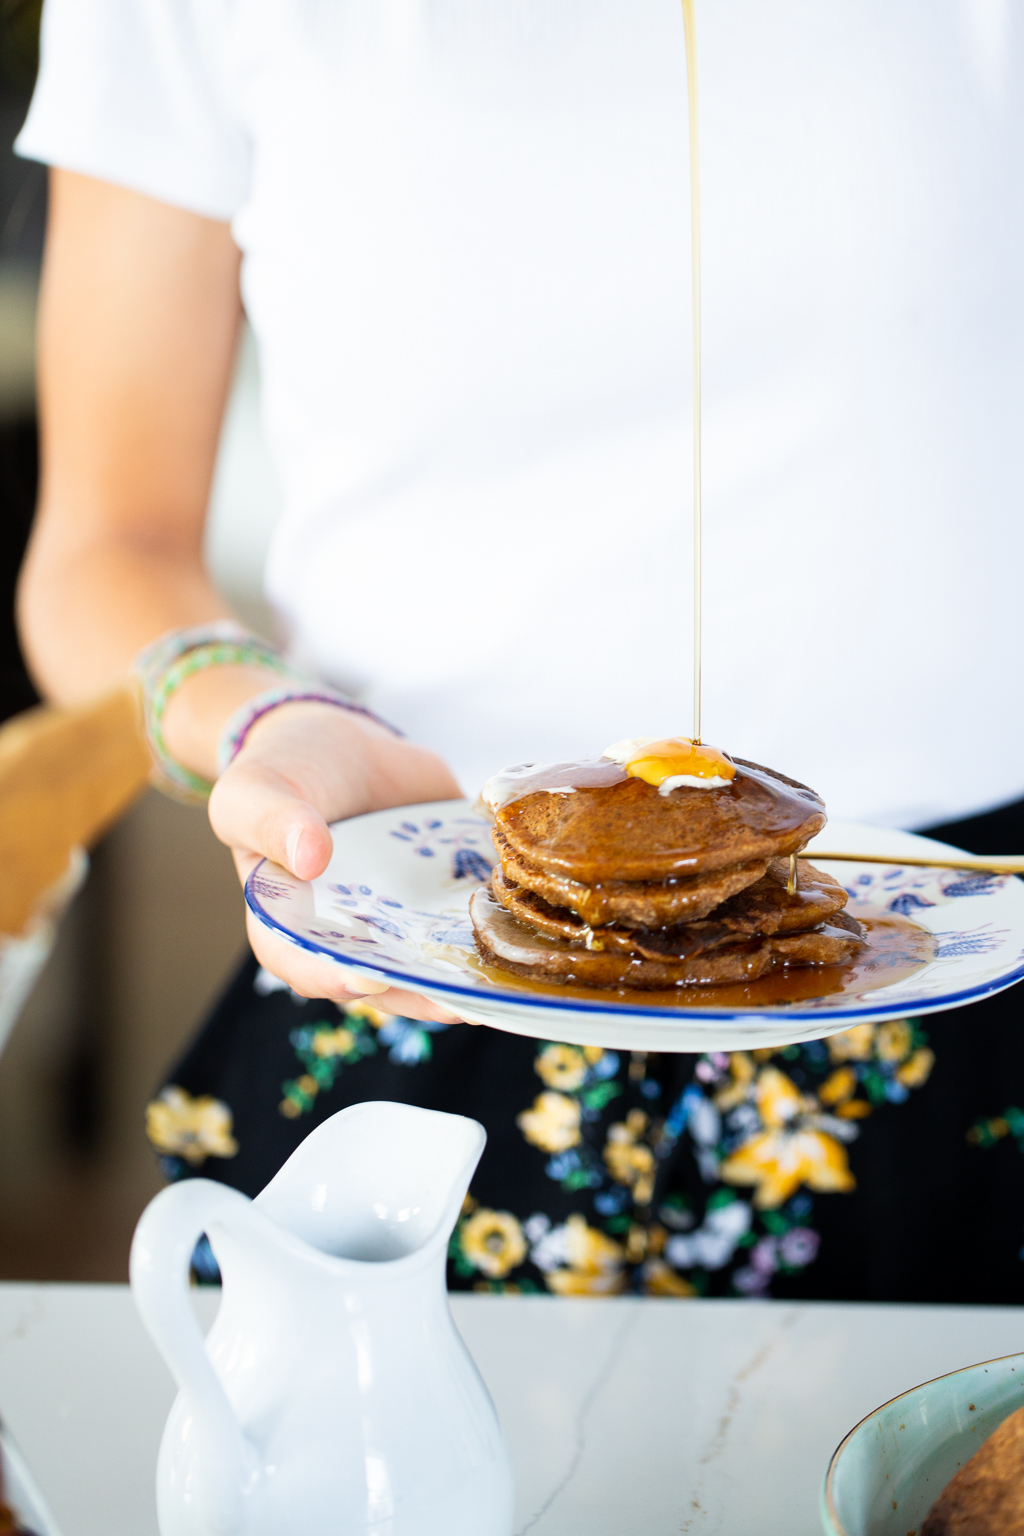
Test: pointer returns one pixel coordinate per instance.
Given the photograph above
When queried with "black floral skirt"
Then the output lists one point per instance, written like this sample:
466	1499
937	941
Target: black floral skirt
883	1164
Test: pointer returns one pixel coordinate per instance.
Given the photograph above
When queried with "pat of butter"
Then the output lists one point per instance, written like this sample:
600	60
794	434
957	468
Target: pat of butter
673	762
506	786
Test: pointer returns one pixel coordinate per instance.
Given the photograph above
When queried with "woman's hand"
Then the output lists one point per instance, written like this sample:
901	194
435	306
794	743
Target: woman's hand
304	765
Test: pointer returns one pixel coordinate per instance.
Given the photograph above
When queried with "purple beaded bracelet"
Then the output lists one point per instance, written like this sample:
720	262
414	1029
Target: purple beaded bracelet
238	726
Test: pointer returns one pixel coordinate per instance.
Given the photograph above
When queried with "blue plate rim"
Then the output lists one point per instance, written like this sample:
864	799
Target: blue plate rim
626	1010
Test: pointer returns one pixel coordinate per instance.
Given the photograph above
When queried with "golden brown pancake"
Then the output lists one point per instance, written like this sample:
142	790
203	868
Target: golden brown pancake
608	882
768	907
637	903
509	945
616	828
763	909
679	941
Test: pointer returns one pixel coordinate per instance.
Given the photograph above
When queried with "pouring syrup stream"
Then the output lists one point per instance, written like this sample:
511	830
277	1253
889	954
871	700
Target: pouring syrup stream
690	29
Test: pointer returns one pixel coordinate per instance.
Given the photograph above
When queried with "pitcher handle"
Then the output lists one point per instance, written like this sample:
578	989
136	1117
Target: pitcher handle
162	1247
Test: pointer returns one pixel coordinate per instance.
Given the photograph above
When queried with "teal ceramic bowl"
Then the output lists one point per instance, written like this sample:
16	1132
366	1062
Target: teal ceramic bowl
891	1468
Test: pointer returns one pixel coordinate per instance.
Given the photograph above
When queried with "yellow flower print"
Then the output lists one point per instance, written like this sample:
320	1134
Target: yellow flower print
778	1098
493	1242
636	1244
660	1279
367	1011
842	1085
893	1040
790	1151
918	1069
194	1129
853	1109
741	1072
629	1161
853	1044
987	1132
553	1124
561	1066
333	1042
837	1093
778	1162
594	1264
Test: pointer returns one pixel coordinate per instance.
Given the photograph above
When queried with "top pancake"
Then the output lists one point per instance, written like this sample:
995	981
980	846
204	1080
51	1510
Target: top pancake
637	903
609	826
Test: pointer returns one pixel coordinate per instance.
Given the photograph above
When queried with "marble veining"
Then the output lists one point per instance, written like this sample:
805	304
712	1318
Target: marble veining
618	1340
619	1412
719	1442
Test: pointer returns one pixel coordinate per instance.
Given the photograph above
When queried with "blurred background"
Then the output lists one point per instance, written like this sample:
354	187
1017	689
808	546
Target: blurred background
158	925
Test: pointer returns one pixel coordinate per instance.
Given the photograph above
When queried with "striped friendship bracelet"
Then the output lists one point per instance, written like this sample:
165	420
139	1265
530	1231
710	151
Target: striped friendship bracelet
162	667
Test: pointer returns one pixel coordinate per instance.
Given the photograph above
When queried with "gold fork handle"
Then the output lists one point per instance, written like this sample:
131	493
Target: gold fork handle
1009	864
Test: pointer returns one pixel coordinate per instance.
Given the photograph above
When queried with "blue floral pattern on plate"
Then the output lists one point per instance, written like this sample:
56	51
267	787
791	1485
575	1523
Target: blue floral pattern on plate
393	903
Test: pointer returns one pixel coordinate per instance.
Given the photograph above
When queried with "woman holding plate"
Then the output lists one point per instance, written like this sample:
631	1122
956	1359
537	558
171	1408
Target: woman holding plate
460	236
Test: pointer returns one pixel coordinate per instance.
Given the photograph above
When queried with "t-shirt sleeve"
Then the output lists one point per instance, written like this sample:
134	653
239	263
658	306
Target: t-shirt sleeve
135	92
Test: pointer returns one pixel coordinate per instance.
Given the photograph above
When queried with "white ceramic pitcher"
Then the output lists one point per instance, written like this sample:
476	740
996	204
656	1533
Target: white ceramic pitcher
333	1396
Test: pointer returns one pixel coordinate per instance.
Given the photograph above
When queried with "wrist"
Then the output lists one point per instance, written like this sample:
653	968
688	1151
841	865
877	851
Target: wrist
162	670
292	698
205	688
199	709
324	756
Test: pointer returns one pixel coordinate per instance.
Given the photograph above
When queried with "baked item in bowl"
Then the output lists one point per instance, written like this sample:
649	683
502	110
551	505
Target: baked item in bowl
922	1462
986	1497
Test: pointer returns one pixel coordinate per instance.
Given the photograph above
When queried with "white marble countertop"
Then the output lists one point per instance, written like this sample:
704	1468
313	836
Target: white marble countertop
623	1416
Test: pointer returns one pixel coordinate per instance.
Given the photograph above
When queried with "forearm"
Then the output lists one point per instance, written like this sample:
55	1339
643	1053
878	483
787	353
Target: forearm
86	611
139	314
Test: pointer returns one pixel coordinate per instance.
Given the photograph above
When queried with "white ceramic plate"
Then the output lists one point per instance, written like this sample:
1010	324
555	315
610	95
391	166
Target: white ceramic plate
393	905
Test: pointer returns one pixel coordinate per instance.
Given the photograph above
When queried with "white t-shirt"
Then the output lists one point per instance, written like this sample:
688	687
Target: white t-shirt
465	237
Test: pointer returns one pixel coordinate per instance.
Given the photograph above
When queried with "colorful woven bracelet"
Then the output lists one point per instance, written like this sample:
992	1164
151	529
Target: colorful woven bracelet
165	664
154	659
223	655
237	728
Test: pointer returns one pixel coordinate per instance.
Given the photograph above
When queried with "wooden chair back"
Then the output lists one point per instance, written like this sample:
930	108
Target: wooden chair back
65	775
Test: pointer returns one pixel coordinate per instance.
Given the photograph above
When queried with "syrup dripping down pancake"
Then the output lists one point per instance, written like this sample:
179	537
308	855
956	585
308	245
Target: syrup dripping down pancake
764	909
769	906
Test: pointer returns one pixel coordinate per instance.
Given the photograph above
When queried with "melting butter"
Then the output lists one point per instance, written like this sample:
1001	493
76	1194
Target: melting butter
672	762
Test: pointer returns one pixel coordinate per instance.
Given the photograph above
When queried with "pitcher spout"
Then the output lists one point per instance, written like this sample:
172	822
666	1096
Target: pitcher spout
376	1182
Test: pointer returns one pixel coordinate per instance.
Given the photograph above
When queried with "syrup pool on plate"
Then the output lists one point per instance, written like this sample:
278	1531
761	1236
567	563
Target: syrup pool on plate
896	949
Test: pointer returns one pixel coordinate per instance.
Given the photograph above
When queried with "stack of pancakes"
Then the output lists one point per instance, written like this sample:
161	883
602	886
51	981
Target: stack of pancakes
606	881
